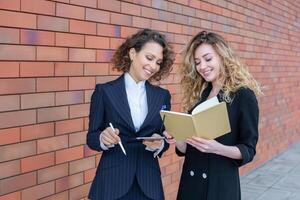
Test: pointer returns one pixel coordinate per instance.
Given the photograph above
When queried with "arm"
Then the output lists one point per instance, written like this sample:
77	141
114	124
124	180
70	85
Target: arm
95	120
248	126
244	150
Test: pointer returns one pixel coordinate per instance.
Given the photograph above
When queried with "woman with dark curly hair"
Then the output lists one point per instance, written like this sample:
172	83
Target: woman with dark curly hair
130	170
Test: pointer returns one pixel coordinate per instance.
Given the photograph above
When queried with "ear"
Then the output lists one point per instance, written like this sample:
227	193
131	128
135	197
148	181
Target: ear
132	53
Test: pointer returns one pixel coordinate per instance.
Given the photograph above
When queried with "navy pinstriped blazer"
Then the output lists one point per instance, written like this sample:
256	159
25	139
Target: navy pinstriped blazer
116	172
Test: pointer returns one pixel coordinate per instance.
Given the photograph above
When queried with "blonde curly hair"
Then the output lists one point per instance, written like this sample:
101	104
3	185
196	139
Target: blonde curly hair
233	74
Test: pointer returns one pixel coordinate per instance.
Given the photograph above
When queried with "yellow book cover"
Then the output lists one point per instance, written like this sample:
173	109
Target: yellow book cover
208	120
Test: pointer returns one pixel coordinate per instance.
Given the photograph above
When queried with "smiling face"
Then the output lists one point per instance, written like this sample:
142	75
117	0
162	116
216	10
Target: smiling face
146	62
208	63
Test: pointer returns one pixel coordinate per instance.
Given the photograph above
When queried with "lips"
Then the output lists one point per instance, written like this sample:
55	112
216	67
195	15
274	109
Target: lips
148	72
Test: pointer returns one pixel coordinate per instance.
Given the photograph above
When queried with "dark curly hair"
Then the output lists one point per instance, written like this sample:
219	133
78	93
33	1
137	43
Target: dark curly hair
121	59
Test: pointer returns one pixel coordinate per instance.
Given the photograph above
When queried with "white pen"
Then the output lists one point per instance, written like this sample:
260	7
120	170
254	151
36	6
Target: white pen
120	143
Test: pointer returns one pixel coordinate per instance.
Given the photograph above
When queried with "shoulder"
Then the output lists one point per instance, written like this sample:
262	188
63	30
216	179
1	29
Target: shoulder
245	98
245	93
107	85
159	89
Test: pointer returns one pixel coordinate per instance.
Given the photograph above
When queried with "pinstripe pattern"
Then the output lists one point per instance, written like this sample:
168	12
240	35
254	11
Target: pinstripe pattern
116	173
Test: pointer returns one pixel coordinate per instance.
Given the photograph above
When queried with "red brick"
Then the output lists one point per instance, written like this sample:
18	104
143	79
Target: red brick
159	25
52	144
79	83
11	196
36	69
52	173
96	42
104	55
67	98
69	40
69	11
80	110
69	126
141	22
82	165
37	100
9	103
80	192
82	55
17	19
175	28
86	3
83	27
15	52
112	5
108	30
9	136
37	37
68	69
88	152
15	151
9	69
52	54
89	175
88	95
37	131
69	154
160	4
17	183
17	118
52	114
52	84
115	43
69	182
128	31
9	169
59	196
78	138
9	35
53	23
97	15
10	5
38	6
37	162
91	69
131	9
149	13
39	191
120	19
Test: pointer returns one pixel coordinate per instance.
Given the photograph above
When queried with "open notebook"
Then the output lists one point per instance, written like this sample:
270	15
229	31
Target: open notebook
208	120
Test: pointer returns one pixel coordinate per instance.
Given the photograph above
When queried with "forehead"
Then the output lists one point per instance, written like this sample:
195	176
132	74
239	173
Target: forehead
153	48
204	49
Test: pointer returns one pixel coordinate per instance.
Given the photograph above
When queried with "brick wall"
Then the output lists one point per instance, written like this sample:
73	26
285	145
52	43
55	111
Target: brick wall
52	53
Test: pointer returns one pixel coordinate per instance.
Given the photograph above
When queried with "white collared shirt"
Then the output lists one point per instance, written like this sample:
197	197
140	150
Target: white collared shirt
137	100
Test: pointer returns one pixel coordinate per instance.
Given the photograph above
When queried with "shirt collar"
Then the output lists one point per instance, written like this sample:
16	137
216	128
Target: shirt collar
130	82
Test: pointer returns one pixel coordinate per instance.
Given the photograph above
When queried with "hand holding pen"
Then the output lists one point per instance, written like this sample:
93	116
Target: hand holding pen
110	136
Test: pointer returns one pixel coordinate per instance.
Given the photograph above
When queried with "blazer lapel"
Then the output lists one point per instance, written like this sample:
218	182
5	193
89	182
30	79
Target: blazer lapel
153	99
119	100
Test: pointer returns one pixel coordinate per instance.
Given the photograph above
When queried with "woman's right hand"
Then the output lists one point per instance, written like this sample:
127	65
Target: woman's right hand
109	137
169	138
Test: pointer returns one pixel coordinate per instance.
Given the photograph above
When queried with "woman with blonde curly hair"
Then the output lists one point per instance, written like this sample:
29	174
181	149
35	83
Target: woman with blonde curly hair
211	68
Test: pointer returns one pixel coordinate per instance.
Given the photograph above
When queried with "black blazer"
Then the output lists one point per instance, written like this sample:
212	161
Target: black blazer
208	176
116	172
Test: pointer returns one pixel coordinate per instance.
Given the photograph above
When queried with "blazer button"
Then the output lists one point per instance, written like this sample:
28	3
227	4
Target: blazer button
192	173
204	175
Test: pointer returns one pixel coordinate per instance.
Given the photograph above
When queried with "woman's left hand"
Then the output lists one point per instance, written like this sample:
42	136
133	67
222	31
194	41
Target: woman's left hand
153	144
205	146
